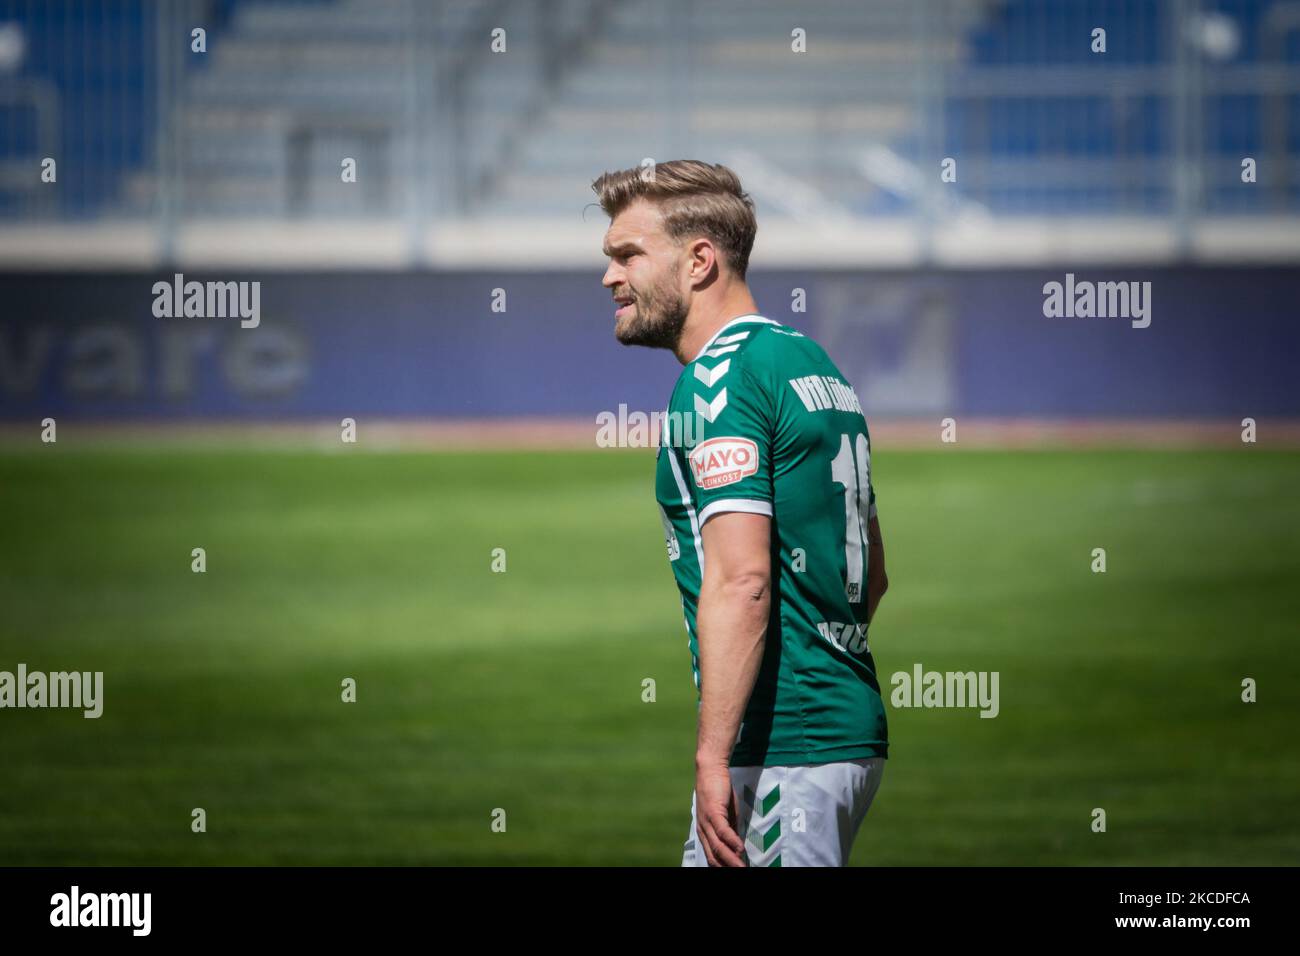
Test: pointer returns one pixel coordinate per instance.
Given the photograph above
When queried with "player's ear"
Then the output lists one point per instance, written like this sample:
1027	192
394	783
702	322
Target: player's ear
702	258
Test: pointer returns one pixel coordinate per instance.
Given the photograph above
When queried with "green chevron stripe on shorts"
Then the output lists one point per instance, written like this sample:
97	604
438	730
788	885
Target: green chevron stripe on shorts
762	838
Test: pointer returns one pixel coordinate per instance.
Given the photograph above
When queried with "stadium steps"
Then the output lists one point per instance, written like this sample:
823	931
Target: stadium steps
290	88
748	93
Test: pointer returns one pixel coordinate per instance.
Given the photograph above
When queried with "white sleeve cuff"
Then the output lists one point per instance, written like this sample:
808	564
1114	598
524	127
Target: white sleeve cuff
871	511
753	506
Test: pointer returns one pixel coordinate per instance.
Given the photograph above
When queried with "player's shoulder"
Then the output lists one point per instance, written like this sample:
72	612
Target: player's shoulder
755	344
773	345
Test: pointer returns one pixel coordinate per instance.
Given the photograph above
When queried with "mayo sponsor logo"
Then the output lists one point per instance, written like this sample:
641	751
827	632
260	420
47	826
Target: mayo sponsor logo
721	461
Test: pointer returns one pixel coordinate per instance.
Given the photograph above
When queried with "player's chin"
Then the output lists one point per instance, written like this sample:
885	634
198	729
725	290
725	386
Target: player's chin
629	331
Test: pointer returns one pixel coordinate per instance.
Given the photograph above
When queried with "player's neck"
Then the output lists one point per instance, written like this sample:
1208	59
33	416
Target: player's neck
701	327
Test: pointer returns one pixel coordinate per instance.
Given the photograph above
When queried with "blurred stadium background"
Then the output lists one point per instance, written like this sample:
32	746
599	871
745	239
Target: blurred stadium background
476	128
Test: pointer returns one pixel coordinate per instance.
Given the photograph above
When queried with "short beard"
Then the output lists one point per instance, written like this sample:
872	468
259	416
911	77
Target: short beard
660	318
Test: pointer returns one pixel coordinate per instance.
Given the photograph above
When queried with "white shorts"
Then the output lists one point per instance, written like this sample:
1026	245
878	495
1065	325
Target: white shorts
798	816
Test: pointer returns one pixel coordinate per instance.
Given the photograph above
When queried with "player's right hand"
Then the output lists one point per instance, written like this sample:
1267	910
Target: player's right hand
716	813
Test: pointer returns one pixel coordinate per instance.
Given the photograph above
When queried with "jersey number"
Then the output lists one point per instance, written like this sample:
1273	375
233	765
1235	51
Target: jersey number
851	467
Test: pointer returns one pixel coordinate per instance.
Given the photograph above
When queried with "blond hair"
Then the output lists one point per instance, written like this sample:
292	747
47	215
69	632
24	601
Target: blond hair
694	199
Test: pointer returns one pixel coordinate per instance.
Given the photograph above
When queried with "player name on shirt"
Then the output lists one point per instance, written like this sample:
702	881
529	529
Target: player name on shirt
850	638
821	393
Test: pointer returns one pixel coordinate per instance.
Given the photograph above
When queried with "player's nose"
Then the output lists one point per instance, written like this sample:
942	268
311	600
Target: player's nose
613	276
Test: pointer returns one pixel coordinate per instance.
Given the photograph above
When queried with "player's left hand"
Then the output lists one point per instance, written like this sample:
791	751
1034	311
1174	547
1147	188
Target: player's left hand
716	813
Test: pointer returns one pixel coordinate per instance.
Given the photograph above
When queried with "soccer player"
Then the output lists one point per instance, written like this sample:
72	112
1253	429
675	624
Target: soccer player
763	480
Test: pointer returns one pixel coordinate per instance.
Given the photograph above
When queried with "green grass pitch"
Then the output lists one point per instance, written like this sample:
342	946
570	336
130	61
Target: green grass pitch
523	690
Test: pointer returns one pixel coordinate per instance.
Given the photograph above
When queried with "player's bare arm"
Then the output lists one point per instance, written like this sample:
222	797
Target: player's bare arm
735	598
877	579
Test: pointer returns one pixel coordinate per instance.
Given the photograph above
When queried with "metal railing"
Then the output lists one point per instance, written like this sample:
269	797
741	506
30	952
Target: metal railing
253	127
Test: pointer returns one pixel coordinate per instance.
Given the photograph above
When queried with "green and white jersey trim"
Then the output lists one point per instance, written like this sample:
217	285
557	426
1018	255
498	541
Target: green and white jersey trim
731	342
690	513
747	505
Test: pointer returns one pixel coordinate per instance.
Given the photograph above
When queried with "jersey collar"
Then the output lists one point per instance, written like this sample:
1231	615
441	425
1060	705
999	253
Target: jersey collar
747	317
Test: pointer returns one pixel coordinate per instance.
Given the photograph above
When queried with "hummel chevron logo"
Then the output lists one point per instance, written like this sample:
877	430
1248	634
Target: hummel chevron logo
723	350
762	841
728	339
711	410
725	343
710	376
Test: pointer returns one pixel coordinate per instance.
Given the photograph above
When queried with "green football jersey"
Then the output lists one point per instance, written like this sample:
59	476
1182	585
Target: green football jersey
762	421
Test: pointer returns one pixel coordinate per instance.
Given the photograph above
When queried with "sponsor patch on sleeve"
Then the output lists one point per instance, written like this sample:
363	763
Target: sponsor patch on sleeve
722	461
